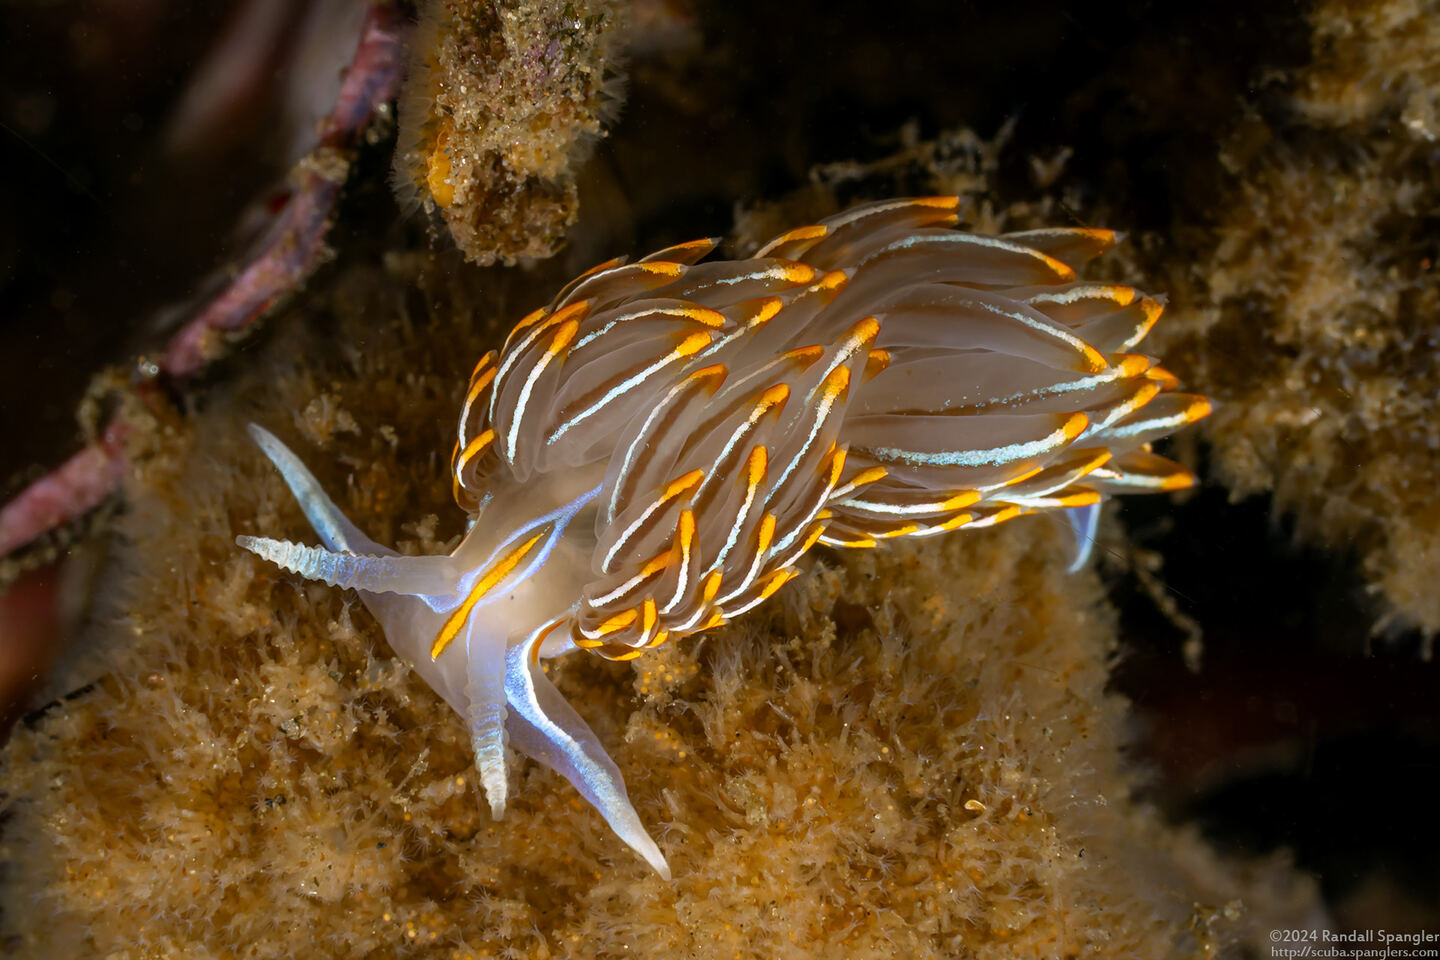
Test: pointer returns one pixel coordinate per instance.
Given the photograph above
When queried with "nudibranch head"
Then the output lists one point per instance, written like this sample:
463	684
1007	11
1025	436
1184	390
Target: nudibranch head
651	454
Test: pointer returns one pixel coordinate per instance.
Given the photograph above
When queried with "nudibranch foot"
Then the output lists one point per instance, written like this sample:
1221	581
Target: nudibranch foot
492	679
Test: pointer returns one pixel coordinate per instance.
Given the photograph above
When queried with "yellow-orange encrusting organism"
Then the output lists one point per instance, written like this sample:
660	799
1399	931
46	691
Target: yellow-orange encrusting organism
651	455
499	108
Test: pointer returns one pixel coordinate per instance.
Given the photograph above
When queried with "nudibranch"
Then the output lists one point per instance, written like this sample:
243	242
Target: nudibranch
650	455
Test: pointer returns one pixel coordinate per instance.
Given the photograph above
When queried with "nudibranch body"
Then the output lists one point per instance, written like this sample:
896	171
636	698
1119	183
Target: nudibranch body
651	454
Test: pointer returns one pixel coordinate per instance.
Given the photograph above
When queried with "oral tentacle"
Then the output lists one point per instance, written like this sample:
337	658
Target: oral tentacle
413	576
543	726
333	527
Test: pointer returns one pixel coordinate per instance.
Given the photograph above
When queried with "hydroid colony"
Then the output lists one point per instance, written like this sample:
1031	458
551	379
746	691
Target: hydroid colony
650	455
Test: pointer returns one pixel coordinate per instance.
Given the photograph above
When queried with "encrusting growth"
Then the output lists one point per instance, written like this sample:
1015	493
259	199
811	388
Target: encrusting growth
501	105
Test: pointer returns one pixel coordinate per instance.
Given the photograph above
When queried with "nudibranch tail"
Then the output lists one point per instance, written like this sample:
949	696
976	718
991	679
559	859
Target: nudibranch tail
544	726
654	452
485	653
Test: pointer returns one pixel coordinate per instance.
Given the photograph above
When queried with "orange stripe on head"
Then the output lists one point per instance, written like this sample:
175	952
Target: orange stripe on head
1101	456
610	264
1008	512
865	477
575	311
693	248
864	543
1022	477
483	373
1063	271
772	396
655	564
487	582
1106	237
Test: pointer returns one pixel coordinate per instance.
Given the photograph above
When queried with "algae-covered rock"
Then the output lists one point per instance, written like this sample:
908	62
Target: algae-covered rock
1312	314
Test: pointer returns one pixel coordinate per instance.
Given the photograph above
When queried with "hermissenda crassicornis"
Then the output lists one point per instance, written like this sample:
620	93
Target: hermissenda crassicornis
651	454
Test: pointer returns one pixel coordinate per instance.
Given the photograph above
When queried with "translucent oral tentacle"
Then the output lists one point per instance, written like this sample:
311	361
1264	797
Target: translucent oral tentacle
544	726
334	528
485	688
414	576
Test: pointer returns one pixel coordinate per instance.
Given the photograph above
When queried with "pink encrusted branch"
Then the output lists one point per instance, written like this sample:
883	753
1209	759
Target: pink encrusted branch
292	249
296	241
76	487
